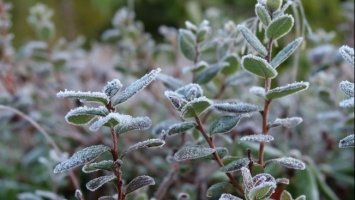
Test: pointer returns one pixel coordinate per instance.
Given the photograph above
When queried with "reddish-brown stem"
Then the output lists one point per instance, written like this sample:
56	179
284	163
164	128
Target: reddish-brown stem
215	155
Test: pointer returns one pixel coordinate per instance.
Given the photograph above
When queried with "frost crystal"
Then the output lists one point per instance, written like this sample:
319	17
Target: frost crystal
137	86
347	87
347	53
112	87
136	123
236	165
347	141
347	103
257	138
195	107
83	115
96	183
287	90
290	162
81	157
190	91
236	108
192	152
151	143
176	99
180	127
86	96
288	122
139	182
112	119
228	197
247	178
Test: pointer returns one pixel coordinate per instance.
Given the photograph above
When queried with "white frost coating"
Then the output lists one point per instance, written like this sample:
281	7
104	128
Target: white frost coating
347	103
176	99
347	87
257	138
347	53
139	182
96	166
228	197
118	118
262	191
224	124
257	91
252	40
236	108
286	52
346	142
287	122
288	89
192	152
112	87
236	165
96	183
247	178
180	127
195	104
290	162
136	123
284	181
86	96
190	91
151	143
84	110
262	68
137	86
81	157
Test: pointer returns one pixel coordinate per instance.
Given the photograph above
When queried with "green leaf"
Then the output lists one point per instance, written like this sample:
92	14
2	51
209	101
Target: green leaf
195	107
285	196
247	179
286	90
180	128
304	182
273	5
252	40
262	191
96	183
170	82
216	190
221	151
347	142
176	99
286	52
151	143
236	107
223	124
236	165
96	166
209	73
110	120
279	27
258	66
136	86
81	157
263	14
135	123
83	115
139	182
192	152
187	43
232	64
289	162
97	97
190	91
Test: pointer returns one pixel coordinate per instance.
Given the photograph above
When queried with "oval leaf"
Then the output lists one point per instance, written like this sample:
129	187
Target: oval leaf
263	14
232	64
236	165
97	97
279	27
247	178
195	107
252	40
187	43
81	157
96	166
112	87
192	152
258	66
180	128
136	86
257	138
224	124
190	91
347	142
347	87
96	183
111	120
286	90
151	143
83	115
236	107
216	190
208	74
221	151
139	182
290	122
170	82
285	196
135	123
289	162
262	191
286	52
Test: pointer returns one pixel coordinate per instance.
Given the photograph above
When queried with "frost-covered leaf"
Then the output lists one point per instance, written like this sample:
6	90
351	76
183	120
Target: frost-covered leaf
151	143
223	124
258	66
347	87
96	166
284	181
187	43
195	107
225	196
209	73
217	189
262	191
289	162
286	52
279	27
347	103
111	120
135	123
176	99
83	115
112	87
252	40
348	54
236	107
273	5
302	197
236	165
286	196
232	64
180	128
136	86
347	142
257	138
139	182
170	82
201	65
263	14
257	91
98	97
247	178
162	126
190	91
289	122
192	152
96	183
286	90
221	152
81	157
78	194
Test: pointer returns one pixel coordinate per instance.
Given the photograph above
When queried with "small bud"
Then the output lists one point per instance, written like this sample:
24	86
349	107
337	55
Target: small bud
273	5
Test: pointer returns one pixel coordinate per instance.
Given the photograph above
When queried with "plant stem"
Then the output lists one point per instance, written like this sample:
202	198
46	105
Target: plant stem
265	112
216	157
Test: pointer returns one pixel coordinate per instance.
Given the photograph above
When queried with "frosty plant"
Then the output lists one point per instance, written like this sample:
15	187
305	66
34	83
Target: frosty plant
348	89
107	115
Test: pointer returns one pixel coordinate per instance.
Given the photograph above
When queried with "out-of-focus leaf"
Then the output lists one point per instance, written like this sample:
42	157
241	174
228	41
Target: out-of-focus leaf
96	183
139	182
252	40
83	115
209	73
228	197
180	128
151	143
347	53
224	124
347	142
187	43
216	190
347	87
263	14
257	138
192	152
236	165
232	64
289	163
